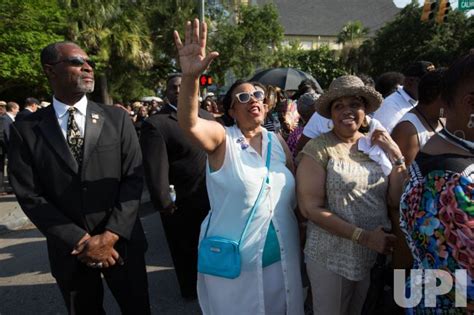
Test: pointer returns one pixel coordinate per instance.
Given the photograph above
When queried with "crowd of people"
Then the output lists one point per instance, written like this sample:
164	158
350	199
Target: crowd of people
308	187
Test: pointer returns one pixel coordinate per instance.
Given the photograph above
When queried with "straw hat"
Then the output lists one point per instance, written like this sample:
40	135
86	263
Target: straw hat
348	85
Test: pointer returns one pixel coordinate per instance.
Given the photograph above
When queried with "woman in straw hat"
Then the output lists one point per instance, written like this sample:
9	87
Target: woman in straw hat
240	159
344	180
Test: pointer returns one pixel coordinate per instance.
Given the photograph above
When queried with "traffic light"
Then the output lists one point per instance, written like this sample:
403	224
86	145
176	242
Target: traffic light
428	12
205	80
443	10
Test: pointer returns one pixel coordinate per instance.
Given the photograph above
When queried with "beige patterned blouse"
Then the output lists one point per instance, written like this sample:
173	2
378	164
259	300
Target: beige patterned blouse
356	190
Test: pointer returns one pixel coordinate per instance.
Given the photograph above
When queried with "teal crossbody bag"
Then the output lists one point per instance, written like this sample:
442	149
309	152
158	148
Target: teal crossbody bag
219	256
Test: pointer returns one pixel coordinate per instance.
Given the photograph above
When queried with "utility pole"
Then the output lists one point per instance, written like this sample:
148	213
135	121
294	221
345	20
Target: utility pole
201	19
201	10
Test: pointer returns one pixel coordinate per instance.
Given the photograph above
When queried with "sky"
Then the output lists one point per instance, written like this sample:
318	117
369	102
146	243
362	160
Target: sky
402	3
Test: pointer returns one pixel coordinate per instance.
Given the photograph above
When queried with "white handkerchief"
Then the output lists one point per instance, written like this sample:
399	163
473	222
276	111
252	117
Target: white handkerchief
374	151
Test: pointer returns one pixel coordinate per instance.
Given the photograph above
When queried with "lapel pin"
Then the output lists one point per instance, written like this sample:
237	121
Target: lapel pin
95	117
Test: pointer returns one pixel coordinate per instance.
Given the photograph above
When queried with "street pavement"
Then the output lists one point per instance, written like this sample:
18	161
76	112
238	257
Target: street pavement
27	287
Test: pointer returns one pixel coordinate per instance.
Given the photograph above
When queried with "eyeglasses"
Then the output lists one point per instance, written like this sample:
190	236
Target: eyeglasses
244	97
76	61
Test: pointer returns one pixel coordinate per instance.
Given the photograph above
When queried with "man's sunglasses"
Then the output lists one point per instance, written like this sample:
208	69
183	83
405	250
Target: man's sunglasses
76	61
244	97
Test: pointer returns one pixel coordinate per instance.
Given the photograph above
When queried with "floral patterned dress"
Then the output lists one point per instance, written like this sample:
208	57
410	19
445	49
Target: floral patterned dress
437	218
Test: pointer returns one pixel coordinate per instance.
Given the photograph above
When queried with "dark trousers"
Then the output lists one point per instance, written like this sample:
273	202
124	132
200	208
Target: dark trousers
182	233
83	292
2	172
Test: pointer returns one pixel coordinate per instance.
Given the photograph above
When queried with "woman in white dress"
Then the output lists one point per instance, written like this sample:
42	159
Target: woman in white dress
270	281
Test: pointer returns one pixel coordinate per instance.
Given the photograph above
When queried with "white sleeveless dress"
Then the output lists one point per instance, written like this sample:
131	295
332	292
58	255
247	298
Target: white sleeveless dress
232	191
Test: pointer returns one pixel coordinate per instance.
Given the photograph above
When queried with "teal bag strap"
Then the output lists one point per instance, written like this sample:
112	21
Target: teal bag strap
260	193
259	199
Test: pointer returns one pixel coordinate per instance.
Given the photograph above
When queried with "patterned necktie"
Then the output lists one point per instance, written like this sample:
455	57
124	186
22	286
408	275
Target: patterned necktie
74	139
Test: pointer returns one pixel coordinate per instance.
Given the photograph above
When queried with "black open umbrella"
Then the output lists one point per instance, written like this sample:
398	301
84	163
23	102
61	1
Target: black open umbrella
284	78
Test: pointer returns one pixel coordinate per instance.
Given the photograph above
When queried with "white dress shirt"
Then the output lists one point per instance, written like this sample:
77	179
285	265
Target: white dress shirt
173	107
316	126
11	116
393	108
62	114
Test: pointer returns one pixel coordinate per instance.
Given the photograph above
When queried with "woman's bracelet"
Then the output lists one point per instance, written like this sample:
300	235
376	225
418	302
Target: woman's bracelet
356	235
400	161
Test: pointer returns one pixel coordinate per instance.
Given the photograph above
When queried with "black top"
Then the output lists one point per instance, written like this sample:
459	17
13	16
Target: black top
456	163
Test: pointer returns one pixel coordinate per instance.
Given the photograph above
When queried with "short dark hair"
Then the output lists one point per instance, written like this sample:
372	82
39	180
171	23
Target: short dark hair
387	82
172	76
367	79
227	101
459	73
31	100
11	105
305	86
430	86
50	53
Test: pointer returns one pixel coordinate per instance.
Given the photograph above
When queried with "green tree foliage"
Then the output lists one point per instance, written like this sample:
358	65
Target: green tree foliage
163	18
26	26
247	43
407	39
321	63
116	34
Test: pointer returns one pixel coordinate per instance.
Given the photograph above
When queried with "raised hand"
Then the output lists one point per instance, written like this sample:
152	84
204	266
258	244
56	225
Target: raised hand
192	55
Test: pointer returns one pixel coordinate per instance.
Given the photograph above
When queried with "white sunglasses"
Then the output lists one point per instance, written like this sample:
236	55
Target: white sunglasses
244	97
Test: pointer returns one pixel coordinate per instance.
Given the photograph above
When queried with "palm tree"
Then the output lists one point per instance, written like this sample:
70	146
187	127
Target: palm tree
351	37
352	33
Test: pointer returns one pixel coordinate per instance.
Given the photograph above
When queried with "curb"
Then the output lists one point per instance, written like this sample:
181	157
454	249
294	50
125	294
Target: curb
11	215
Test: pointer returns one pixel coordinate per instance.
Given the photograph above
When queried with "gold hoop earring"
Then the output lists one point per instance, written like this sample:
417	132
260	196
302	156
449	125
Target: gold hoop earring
470	124
330	124
365	122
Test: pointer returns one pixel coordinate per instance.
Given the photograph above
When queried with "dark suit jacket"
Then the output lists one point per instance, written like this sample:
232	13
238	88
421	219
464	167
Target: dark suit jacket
3	136
7	123
22	114
65	202
169	157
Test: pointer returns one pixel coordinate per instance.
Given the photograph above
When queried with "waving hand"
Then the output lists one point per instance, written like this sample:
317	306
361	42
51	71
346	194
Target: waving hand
192	54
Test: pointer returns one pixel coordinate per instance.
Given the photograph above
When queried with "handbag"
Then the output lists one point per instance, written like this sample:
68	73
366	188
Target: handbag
220	256
379	299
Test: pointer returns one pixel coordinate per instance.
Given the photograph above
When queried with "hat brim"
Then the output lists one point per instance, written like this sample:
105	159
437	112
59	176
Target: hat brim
373	98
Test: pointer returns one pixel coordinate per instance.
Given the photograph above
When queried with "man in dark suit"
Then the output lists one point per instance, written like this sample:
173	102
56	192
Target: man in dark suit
77	172
11	110
170	158
31	106
3	148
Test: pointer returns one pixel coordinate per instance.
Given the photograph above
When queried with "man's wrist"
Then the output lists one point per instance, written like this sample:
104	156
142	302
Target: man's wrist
109	235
